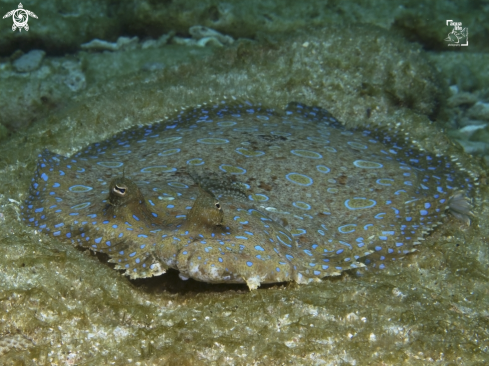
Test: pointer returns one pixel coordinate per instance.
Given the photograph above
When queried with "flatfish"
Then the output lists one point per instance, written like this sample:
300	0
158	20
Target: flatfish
237	192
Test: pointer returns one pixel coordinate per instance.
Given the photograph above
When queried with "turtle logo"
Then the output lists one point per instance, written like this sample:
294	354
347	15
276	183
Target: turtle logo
20	17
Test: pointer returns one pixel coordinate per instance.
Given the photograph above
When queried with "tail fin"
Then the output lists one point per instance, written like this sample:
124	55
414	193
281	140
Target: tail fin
460	207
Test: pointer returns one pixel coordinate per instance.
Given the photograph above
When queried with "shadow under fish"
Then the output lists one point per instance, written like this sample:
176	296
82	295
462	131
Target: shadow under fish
234	192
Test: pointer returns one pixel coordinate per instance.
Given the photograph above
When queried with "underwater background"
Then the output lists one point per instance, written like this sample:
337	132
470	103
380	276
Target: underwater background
84	71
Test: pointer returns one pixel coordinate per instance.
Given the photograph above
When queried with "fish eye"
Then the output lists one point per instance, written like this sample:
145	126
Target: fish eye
120	190
218	206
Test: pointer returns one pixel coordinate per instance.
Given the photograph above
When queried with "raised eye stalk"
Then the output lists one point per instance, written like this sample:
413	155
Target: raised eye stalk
123	191
120	190
206	213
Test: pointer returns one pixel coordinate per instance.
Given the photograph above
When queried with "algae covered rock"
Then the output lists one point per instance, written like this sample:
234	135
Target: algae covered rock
66	26
63	26
33	87
52	82
62	305
411	21
30	61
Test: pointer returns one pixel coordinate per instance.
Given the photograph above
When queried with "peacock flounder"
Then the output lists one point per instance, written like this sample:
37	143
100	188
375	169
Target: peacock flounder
240	193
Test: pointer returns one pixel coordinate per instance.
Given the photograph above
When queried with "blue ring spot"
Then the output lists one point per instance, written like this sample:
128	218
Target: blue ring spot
195	161
282	241
177	185
345	229
249	153
357	204
306	154
323	169
110	164
298	232
385	181
158	169
169	152
212	141
259	197
357	145
79	188
81	206
364	164
301	205
299	179
230	169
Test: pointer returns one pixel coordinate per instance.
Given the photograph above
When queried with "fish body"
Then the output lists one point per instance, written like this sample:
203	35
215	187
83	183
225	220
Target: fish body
241	193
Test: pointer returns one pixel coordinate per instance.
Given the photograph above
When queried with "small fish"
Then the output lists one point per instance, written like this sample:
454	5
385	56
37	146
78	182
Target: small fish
235	192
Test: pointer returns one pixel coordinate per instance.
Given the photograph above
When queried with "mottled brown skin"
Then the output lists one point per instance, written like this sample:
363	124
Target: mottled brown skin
300	196
206	214
125	200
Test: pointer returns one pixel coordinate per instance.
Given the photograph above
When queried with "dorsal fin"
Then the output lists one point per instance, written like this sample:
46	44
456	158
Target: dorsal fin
219	184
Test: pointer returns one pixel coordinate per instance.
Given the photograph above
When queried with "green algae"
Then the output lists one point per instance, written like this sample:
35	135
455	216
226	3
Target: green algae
102	66
431	307
64	25
32	95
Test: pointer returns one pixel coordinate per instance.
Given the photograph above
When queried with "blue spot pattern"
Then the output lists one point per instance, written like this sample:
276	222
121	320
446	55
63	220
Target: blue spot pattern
237	192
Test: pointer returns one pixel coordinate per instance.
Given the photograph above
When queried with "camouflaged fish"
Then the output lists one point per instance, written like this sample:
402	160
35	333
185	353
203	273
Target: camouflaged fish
241	193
